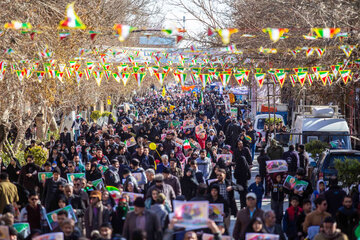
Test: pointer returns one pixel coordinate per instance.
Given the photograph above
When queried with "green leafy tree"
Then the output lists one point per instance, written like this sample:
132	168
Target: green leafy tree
348	170
315	148
95	115
40	155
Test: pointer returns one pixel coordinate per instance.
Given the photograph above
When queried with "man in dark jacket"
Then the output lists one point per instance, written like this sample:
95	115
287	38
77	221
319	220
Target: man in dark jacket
347	217
142	219
227	190
292	159
244	216
303	157
232	133
172	181
334	196
50	190
168	143
111	175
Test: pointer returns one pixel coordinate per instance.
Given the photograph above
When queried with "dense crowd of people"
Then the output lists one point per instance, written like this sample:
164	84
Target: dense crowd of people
202	153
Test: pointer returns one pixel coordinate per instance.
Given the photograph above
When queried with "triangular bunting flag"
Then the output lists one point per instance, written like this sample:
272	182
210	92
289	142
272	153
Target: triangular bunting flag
240	77
116	76
123	31
204	78
293	79
72	21
323	76
347	49
40	75
125	78
345	75
302	77
225	34
260	77
311	78
326	32
335	69
78	76
60	76
225	78
139	78
98	77
275	33
160	77
281	78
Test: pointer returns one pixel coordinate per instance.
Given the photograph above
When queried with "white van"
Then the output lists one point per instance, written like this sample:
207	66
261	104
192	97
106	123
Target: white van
259	124
324	124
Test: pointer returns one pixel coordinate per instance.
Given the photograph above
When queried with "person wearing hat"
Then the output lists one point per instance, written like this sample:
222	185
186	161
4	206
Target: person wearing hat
51	190
245	215
212	136
96	214
303	194
144	220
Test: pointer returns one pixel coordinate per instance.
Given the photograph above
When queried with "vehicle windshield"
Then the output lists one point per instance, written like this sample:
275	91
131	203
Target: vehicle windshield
331	163
337	140
261	123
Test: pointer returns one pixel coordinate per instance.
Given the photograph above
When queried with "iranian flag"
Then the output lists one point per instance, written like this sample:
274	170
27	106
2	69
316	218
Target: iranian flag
186	144
323	76
281	78
326	32
345	75
225	78
160	77
114	192
71	21
302	77
239	77
260	77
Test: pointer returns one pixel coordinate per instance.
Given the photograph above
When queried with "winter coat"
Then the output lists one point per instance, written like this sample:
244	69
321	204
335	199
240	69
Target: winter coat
174	183
291	221
166	189
337	236
162	214
8	194
347	220
204	166
112	177
242	171
262	164
293	161
334	197
49	198
242	221
152	225
29	182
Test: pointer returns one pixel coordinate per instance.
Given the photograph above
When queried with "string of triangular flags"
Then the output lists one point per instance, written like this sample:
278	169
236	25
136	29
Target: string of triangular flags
73	22
203	75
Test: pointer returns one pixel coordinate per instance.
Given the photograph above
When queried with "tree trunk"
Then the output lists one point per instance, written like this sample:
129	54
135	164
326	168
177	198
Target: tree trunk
19	137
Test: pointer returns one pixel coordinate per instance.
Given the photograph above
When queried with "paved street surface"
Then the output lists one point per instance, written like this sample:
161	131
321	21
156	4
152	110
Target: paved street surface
266	201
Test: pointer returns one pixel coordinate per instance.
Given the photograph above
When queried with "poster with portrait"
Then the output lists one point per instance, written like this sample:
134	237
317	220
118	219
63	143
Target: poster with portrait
192	214
72	176
132	196
98	184
188	124
137	176
23	229
50	236
42	176
294	183
226	157
216	211
275	166
179	142
207	236
261	236
102	168
130	142
51	217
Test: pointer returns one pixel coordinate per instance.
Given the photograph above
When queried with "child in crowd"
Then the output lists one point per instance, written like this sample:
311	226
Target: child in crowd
277	197
257	188
291	219
320	189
